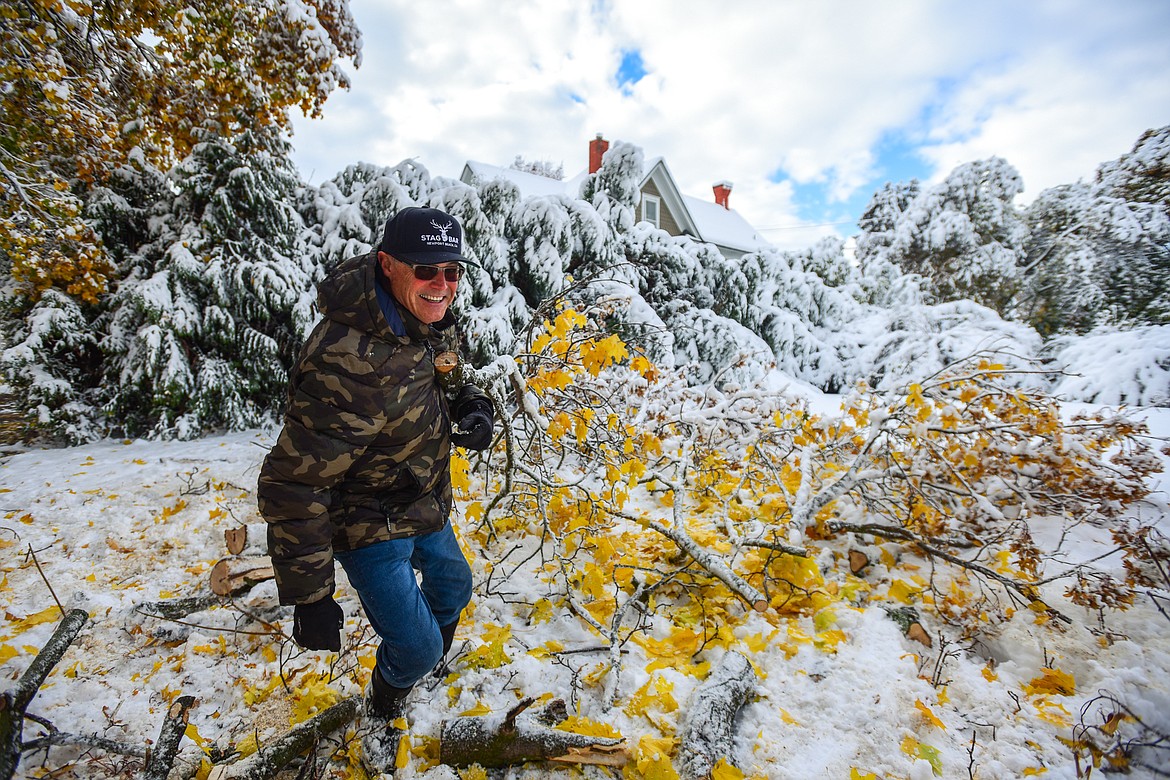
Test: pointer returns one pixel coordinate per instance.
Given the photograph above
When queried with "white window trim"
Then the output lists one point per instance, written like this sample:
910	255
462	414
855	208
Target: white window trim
657	201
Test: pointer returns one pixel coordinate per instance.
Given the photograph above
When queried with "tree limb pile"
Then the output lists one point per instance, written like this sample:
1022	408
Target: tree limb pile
707	733
503	740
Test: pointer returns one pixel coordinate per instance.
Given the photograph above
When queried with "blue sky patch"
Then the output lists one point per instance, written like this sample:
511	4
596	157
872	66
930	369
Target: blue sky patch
630	71
897	160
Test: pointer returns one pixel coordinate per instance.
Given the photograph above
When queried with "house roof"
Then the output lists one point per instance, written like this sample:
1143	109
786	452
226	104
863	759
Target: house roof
703	220
529	184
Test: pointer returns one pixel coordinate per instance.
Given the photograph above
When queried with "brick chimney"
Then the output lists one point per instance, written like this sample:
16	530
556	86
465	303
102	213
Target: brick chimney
722	193
597	149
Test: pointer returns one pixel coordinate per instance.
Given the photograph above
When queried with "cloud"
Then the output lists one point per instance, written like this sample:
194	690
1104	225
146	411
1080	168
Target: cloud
830	98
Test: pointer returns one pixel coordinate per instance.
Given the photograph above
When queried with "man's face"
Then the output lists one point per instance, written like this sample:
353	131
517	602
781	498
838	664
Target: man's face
427	300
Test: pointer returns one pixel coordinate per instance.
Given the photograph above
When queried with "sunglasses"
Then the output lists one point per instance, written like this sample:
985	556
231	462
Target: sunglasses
425	273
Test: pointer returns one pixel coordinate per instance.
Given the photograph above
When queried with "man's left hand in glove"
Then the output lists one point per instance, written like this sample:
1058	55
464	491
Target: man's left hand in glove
474	417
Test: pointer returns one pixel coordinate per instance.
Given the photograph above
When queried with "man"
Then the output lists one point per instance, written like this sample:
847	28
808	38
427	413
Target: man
361	470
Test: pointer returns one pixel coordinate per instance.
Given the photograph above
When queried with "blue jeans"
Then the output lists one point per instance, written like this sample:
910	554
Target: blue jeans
406	616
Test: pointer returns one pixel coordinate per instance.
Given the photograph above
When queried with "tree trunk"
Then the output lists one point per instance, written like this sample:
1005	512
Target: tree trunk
707	732
503	740
14	701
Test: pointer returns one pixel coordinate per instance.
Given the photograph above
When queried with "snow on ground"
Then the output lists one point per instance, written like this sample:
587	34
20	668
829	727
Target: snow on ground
111	525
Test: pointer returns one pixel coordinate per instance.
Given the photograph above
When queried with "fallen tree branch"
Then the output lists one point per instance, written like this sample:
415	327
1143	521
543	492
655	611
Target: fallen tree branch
14	701
707	732
1025	590
787	549
162	758
269	760
500	740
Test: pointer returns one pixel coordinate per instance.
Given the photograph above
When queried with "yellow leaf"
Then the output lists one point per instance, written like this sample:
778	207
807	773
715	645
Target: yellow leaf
756	642
929	715
652	758
824	619
1053	712
47	615
596	355
784	716
248	745
7	653
479	709
473	772
558	425
549	648
902	591
460	467
542	611
989	675
193	734
593	584
857	774
656	694
725	771
827	641
578	724
403	756
1032	771
1052	682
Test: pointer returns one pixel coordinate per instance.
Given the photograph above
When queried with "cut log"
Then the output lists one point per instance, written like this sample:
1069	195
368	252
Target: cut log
236	539
235	575
907	620
506	739
707	733
269	760
14	701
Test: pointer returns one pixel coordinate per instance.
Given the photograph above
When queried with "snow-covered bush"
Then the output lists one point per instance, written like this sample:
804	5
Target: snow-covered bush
1111	366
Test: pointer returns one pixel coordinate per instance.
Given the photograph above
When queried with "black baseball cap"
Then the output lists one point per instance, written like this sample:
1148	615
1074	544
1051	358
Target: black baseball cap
423	235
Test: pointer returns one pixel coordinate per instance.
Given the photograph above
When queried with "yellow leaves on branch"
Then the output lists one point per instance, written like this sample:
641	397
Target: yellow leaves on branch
92	87
596	355
567	351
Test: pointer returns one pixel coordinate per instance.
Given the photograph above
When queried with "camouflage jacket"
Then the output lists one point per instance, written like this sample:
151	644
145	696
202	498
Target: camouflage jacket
364	454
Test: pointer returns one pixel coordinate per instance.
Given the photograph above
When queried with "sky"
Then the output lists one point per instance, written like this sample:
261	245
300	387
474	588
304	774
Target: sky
807	108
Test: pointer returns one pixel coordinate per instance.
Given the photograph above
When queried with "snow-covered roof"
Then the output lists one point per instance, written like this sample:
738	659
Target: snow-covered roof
529	184
705	220
725	227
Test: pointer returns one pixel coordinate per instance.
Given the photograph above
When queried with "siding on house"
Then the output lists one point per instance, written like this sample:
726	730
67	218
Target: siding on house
666	220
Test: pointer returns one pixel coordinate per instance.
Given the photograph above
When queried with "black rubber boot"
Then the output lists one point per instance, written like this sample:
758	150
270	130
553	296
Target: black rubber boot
447	632
383	724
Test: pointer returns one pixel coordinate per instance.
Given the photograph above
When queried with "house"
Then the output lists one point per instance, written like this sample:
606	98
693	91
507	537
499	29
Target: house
662	203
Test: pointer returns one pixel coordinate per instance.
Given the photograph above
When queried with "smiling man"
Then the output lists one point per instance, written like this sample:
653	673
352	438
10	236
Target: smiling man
360	473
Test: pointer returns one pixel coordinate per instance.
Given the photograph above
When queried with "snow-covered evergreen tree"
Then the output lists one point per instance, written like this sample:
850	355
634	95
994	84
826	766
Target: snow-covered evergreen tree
964	238
1099	253
802	315
211	310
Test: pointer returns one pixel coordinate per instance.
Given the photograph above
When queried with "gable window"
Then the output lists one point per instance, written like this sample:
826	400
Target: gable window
651	206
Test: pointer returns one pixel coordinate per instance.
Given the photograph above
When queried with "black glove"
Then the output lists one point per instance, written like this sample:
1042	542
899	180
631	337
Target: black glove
317	626
474	418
